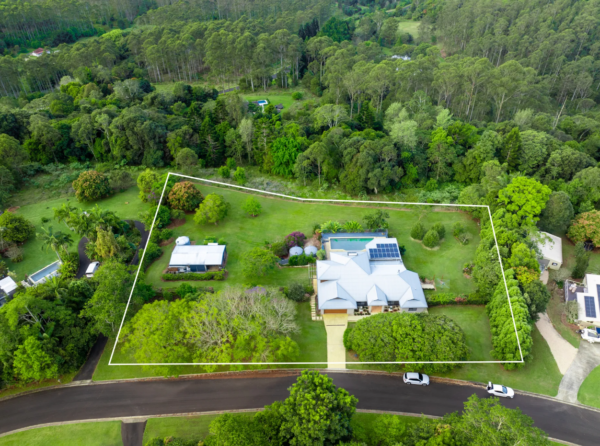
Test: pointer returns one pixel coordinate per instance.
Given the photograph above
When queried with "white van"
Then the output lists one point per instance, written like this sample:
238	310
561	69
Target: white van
91	269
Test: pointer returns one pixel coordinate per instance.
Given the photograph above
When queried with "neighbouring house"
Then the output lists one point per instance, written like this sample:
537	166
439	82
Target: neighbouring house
197	258
366	273
550	247
39	52
8	287
587	296
44	274
279	107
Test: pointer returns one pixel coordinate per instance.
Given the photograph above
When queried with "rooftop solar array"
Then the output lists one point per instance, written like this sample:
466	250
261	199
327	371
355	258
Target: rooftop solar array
385	251
590	307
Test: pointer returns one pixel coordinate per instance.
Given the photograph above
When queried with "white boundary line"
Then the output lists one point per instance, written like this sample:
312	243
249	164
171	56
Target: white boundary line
318	200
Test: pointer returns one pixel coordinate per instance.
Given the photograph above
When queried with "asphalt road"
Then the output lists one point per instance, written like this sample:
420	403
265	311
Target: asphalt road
375	392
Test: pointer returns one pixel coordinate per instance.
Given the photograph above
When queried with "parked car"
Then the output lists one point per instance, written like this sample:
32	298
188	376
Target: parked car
91	269
417	379
500	390
590	335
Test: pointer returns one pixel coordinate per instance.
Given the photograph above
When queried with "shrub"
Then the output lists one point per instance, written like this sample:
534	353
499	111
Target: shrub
393	337
296	238
252	207
177	214
458	229
321	254
14	253
231	164
222	242
120	180
572	311
184	289
166	234
212	210
464	238
301	260
258	262
185	196
440	229
152	252
297	95
352	226
211	275
91	186
296	292
224	172
331	227
240	176
418	231
45	220
431	239
453	299
280	249
17	228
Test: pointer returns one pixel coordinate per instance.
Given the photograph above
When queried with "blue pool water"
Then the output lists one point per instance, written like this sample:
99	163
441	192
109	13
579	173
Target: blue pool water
262	102
349	244
45	272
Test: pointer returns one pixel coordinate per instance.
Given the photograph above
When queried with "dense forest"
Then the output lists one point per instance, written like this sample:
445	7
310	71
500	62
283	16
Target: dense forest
491	103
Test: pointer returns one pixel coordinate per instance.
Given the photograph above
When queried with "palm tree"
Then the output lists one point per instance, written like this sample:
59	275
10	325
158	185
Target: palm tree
55	240
64	213
57	286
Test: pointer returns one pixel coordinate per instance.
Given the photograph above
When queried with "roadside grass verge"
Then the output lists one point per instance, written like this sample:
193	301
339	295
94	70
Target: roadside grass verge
589	392
14	390
106	433
312	340
125	204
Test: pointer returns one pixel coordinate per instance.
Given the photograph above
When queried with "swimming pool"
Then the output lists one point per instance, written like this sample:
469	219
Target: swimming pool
262	102
349	244
45	272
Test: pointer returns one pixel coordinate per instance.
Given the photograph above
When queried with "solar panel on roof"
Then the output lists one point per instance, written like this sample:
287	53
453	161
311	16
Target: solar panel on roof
590	307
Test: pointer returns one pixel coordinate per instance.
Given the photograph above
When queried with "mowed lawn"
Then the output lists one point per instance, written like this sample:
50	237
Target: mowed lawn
312	341
83	434
274	98
197	428
589	392
540	375
281	217
127	205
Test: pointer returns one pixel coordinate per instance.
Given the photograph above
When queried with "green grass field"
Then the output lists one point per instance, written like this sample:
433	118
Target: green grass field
589	392
312	341
126	204
409	27
281	217
541	375
196	428
274	98
83	434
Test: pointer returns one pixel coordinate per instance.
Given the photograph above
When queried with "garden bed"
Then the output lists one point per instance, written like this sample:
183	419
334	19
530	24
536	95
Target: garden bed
210	275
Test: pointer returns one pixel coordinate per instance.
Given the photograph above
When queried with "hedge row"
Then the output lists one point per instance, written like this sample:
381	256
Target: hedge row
211	275
453	299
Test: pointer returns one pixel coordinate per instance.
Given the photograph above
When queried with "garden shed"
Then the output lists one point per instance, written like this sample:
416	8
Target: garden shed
296	251
198	258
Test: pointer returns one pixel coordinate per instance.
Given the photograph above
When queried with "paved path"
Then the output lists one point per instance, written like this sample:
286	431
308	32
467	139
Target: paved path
564	353
335	325
587	359
84	260
375	392
87	371
145	234
132	434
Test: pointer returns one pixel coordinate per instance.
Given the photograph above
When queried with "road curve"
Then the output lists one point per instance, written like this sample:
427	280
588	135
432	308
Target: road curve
374	392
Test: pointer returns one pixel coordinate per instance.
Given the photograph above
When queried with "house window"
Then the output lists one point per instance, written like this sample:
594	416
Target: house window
555	264
361	304
411	309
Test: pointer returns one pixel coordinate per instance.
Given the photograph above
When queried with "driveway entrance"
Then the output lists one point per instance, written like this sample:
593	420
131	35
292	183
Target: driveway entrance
335	325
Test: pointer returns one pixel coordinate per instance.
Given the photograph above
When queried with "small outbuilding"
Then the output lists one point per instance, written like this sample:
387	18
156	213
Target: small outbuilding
8	287
296	251
182	241
198	258
550	247
310	251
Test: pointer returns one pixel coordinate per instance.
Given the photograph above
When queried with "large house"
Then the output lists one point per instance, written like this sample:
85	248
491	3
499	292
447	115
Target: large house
366	273
587	297
197	258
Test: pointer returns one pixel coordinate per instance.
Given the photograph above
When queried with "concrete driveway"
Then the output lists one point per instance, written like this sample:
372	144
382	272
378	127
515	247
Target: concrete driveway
587	359
564	353
335	325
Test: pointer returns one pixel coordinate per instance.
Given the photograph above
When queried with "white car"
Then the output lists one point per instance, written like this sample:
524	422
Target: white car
590	335
500	390
417	379
91	269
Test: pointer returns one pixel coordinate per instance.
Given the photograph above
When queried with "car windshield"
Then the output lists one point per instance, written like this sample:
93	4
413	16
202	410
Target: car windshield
504	390
593	334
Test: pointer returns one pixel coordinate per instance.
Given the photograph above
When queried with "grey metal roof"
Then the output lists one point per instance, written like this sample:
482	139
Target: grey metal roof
197	255
358	276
